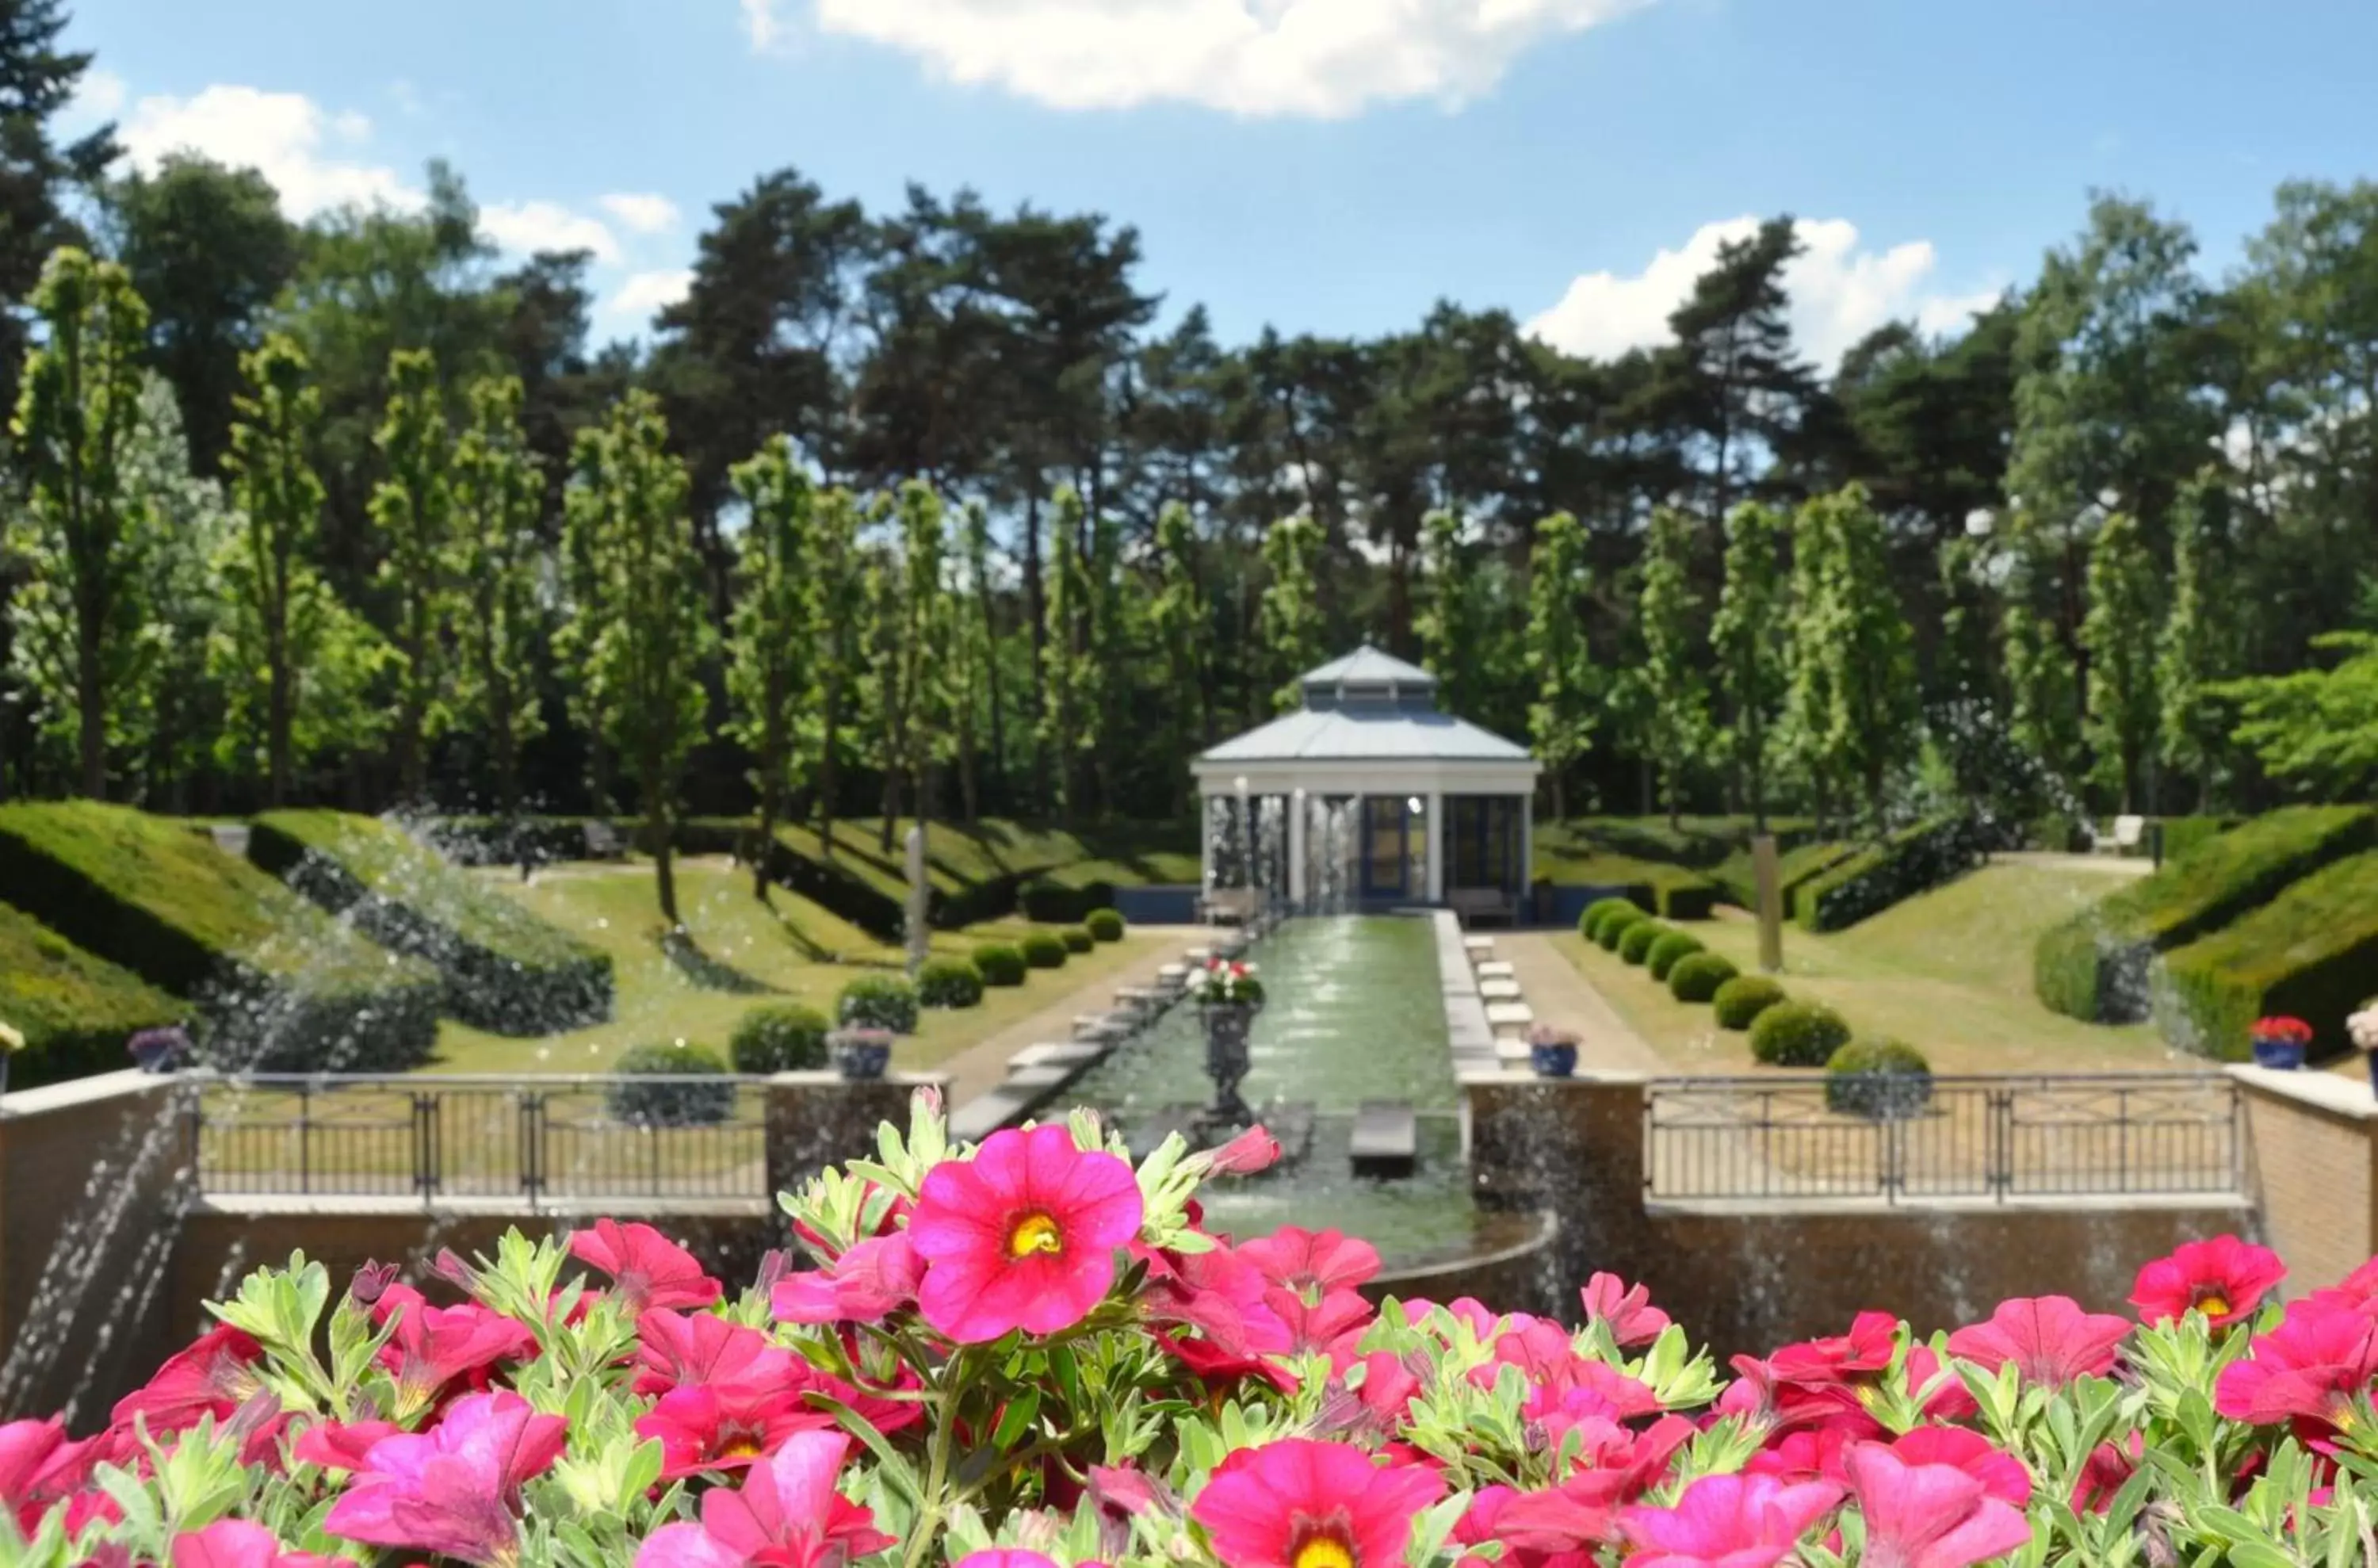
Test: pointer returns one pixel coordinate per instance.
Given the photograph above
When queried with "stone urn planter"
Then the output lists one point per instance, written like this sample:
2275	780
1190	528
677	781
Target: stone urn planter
860	1055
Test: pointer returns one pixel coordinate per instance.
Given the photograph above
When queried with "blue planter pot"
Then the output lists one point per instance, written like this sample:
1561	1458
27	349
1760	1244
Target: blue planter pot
2282	1056
862	1061
1554	1061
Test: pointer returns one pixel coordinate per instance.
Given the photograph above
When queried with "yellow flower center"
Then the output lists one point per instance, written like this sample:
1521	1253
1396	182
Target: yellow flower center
1036	1235
1323	1551
2212	1304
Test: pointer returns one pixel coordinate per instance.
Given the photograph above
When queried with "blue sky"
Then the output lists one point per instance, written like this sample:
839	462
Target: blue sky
1328	165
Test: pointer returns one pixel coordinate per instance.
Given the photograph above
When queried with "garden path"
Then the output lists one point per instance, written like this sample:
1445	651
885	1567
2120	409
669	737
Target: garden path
981	1067
1564	999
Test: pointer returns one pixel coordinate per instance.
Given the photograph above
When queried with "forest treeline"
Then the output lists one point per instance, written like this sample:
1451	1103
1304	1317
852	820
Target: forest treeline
938	506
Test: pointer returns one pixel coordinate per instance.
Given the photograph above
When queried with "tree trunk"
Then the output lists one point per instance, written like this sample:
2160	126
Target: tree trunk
1036	612
91	699
276	732
764	840
656	826
891	805
826	784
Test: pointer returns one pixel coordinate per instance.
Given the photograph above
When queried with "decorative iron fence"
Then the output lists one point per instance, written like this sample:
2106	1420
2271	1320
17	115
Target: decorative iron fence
2132	1134
471	1136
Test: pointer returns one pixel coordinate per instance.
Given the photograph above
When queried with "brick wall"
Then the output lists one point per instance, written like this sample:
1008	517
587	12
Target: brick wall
2314	1138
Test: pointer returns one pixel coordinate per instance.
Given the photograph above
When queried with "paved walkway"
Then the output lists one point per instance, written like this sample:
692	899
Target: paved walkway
982	1067
2111	865
1565	1000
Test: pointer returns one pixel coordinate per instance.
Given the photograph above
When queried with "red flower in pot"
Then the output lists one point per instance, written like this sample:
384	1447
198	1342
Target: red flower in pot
2280	1042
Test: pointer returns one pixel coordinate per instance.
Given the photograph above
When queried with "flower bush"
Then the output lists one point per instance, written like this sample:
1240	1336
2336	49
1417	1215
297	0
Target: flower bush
2283	1031
1225	983
1030	1353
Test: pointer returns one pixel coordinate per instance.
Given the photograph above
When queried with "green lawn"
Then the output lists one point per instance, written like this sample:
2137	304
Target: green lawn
1949	971
743	953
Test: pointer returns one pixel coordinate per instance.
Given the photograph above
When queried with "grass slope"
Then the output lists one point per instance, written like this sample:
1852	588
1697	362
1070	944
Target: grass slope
504	968
74	1010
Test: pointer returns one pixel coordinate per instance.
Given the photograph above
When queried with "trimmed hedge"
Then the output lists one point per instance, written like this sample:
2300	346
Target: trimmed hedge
780	1037
1662	955
1635	940
669	1104
1738	877
1589	924
74	1010
1739	1001
1076	939
1615	925
278	984
2310	953
999	963
878	1001
1880	1079
1105	926
949	983
1912	860
2097	965
504	968
1799	1034
1047	901
1043	950
1696	977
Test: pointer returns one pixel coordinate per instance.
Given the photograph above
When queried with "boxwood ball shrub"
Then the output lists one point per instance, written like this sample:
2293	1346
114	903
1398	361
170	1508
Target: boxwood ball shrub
1666	948
1878	1077
949	983
1635	940
667	1104
779	1037
1739	1001
1043	950
1589	923
1078	939
1799	1034
999	963
1615	924
1107	925
878	1001
1697	976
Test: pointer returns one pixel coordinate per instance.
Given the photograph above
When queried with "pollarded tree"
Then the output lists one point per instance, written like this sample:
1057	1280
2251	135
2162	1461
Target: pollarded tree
2119	634
964	633
2042	683
841	652
1107	633
2197	651
1808	668
412	508
1875	705
1749	647
772	639
648	630
1565	686
1288	625
268	568
1452	637
1669	614
86	535
914	691
1183	620
497	493
1063	720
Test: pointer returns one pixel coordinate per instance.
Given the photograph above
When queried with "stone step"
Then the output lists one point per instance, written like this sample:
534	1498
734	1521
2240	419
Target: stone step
986	1113
1495	969
1478	944
1502	1015
1073	1054
1385	1141
1494	991
1048	1077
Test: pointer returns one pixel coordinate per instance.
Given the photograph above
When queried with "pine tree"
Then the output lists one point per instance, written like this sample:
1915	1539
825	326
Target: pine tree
1564	685
1750	664
2196	651
498	495
412	508
2119	633
773	636
86	535
1287	625
1669	614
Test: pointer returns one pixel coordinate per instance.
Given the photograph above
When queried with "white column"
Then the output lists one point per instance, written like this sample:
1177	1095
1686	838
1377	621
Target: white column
1436	820
1296	888
1527	845
1204	843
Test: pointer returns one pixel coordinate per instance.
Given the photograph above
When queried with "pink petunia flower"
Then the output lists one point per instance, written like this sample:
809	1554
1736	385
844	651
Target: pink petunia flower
1580	1514
434	1346
2048	1338
1740	1521
455	1489
214	1377
1252	1150
236	1543
1331	1326
1006	1557
2001	1473
2225	1279
1299	1503
1928	1516
2311	1368
1627	1309
39	1466
787	1515
2105	1472
866	1284
1021	1237
706	1427
335	1446
1311	1265
647	1269
1219	1295
690	1349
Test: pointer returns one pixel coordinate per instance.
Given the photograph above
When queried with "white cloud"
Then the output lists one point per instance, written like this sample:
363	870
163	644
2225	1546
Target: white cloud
523	227
99	95
643	214
1839	292
281	134
759	20
1324	58
645	295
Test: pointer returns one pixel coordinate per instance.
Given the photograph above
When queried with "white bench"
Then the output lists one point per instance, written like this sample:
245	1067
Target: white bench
2129	833
1227	906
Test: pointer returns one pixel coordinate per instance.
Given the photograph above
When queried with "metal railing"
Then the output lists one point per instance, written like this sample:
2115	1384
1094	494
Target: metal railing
2126	1134
540	1138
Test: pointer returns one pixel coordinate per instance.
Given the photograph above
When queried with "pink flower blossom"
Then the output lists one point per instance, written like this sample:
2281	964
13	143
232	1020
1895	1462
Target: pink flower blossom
1331	1326
1252	1150
455	1489
1581	1512
433	1347
1006	1557
787	1515
1740	1521
686	1349
726	1426
1628	1311
2311	1366
1928	1516
334	1446
214	1377
39	1466
1298	1504
2048	1338
1311	1265
2225	1278
2001	1473
2105	1472
646	1268
1021	1237
866	1284
236	1543
1218	1294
